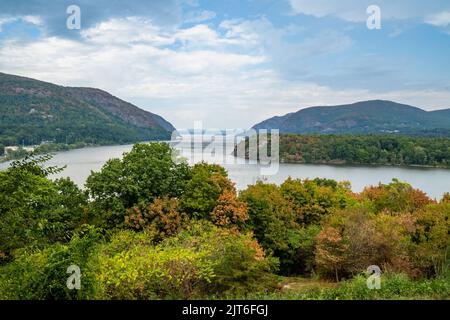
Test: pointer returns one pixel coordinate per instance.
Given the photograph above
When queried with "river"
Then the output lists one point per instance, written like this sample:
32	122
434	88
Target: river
435	182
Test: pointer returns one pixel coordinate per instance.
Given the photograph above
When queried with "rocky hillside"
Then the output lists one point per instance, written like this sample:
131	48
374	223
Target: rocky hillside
377	116
32	111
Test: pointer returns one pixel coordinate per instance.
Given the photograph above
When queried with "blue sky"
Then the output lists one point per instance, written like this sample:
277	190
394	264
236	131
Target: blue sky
232	63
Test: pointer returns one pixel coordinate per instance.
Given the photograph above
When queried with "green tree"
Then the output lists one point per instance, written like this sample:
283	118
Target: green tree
35	210
144	174
207	183
273	221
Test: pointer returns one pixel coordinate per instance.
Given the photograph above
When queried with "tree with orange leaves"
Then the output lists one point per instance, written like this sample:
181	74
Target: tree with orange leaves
229	211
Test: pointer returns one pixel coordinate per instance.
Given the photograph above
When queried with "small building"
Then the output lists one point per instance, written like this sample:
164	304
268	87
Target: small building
28	149
10	149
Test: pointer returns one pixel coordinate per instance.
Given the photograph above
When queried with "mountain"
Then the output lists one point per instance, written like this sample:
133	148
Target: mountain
376	116
32	111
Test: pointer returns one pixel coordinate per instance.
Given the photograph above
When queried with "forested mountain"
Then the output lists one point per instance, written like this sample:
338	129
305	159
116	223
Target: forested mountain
376	116
32	111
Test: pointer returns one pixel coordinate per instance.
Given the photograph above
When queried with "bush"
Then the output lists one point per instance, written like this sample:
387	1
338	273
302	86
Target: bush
240	263
42	274
197	263
393	286
354	239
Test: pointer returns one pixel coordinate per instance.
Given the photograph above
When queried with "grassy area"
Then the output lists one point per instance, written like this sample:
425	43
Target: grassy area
393	287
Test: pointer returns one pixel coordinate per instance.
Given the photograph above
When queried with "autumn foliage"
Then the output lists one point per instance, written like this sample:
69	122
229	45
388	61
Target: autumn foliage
149	228
161	218
229	211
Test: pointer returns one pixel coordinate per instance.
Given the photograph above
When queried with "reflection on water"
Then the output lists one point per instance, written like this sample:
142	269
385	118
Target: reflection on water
435	182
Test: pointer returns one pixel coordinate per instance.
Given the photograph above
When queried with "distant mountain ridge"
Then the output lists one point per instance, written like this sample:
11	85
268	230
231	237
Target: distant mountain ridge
366	117
32	111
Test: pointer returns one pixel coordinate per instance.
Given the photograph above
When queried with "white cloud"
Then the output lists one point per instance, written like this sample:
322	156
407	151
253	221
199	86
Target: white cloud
441	19
29	19
126	30
195	73
355	10
195	17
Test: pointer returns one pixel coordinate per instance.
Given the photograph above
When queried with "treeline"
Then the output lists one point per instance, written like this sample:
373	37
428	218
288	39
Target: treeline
146	227
367	149
364	149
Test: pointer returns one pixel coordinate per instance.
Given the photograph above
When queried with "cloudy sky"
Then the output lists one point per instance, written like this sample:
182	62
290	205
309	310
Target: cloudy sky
232	63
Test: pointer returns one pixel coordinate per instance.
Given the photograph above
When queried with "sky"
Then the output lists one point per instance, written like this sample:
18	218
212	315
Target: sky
234	63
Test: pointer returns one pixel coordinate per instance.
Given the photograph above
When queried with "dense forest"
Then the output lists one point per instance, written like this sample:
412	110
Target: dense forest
363	149
33	111
146	227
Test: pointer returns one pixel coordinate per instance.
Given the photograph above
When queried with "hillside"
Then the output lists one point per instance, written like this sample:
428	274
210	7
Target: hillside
376	116
32	111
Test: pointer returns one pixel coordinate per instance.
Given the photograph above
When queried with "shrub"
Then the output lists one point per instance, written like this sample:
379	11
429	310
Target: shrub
446	198
393	286
41	274
331	252
196	263
241	264
354	239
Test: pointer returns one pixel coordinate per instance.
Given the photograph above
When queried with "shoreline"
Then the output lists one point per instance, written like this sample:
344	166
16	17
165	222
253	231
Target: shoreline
66	148
86	146
345	164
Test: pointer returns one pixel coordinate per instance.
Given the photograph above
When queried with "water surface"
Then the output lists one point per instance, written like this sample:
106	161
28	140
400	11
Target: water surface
435	182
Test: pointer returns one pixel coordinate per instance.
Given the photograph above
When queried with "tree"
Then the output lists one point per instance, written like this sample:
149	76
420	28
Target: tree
273	221
355	238
446	198
431	239
331	252
35	210
229	211
314	199
144	174
161	218
395	197
207	183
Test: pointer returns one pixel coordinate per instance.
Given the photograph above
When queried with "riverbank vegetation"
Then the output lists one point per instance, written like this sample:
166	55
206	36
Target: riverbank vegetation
363	150
42	149
146	227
